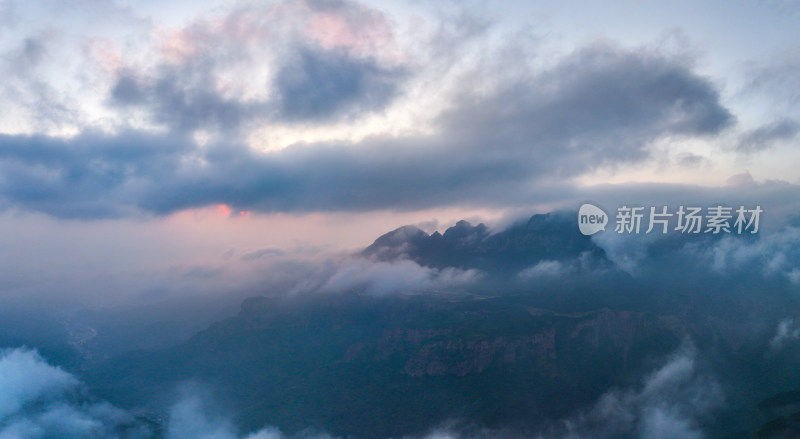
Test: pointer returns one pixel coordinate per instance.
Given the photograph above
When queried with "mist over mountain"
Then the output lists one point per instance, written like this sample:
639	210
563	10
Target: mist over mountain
547	237
314	219
543	334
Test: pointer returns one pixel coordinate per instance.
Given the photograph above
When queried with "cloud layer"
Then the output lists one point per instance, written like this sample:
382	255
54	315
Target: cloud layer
598	107
671	402
38	400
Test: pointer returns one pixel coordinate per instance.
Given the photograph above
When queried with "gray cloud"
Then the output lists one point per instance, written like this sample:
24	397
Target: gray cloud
308	79
777	77
183	104
39	400
316	84
671	402
786	333
321	84
597	107
193	417
773	255
690	160
87	176
27	87
600	106
731	254
765	136
265	252
404	276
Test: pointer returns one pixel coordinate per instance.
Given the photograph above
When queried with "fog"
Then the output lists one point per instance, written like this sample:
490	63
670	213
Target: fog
39	400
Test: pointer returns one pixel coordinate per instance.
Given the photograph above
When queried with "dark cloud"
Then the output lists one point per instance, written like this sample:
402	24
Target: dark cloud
765	136
600	106
310	78
690	160
182	104
90	175
265	252
313	85
321	84
33	49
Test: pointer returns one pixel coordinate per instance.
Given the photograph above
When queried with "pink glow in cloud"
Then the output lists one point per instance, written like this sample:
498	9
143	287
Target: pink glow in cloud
349	26
105	54
363	31
224	209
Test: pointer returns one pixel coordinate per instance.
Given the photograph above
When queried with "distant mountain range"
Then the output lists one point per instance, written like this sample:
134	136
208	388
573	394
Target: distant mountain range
503	355
387	367
543	237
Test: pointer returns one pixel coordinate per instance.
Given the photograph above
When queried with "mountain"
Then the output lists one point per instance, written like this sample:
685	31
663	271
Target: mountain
544	237
507	352
366	367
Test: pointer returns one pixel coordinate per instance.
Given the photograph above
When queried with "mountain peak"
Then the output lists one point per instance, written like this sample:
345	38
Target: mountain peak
394	244
541	237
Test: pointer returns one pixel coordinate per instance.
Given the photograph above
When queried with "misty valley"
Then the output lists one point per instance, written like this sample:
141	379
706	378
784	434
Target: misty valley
389	219
529	331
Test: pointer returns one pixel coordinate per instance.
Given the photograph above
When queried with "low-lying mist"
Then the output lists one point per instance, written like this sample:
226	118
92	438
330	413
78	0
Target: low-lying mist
724	309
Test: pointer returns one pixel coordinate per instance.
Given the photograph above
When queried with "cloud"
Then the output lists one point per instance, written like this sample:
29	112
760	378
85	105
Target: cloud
26	378
28	89
320	84
543	269
690	160
404	276
743	180
315	84
38	400
778	77
90	175
269	63
769	254
192	417
671	402
766	136
787	332
182	103
772	254
265	252
599	106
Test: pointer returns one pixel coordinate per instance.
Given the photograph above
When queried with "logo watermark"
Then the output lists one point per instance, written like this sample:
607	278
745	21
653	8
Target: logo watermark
660	219
591	219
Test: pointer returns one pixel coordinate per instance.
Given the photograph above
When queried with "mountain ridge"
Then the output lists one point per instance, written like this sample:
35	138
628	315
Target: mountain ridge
543	237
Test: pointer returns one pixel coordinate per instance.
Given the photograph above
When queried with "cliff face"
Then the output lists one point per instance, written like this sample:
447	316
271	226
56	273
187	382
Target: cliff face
389	367
458	352
437	353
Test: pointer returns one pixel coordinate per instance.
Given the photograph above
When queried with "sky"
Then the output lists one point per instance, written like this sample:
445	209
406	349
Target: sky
150	148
